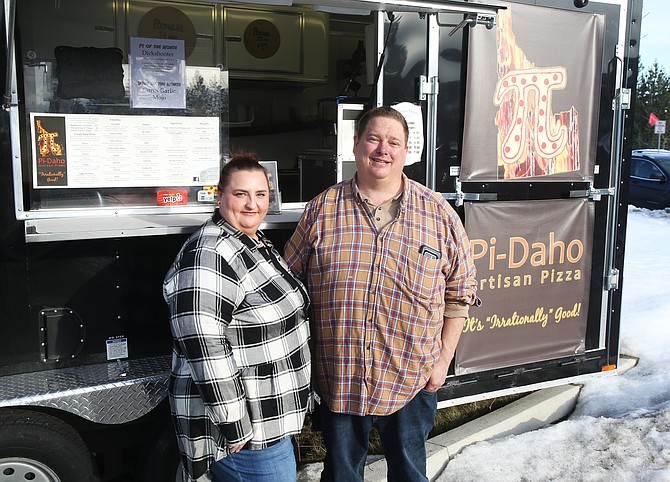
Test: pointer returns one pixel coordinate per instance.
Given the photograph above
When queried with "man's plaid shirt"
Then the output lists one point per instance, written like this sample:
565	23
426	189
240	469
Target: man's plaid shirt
380	297
241	361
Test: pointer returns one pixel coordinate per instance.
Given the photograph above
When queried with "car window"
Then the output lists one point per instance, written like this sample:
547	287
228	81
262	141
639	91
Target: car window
645	169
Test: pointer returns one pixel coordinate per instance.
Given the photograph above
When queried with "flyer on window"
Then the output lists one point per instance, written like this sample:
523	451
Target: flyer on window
157	73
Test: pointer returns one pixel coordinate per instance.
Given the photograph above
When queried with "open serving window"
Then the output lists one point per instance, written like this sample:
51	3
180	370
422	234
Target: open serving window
125	119
128	109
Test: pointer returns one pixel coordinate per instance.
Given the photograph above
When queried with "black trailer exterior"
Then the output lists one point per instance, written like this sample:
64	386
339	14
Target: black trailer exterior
85	346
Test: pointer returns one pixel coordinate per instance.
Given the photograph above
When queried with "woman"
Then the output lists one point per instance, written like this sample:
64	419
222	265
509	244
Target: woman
239	385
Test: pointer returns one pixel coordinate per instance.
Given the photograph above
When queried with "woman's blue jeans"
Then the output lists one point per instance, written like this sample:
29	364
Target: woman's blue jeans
403	434
273	464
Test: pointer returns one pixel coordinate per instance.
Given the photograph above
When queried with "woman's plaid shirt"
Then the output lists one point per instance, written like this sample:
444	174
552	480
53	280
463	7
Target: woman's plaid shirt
380	297
241	362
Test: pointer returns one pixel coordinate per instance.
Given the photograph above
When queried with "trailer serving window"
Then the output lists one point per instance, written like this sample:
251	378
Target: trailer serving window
124	108
125	116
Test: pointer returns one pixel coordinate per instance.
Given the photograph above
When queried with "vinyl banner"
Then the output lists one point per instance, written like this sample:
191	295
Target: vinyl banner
533	263
532	113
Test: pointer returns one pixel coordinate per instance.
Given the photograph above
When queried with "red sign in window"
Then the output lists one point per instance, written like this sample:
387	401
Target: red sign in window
172	197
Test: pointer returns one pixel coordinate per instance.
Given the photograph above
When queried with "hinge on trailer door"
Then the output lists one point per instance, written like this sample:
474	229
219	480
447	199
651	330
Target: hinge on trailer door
427	87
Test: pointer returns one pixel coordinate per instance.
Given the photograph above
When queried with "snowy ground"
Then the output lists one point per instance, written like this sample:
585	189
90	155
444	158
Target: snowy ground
620	430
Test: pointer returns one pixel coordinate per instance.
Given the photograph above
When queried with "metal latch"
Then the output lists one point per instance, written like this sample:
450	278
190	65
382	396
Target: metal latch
612	280
622	99
459	196
591	192
473	19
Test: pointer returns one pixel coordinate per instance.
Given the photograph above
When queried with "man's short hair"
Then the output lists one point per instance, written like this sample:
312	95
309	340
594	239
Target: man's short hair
382	111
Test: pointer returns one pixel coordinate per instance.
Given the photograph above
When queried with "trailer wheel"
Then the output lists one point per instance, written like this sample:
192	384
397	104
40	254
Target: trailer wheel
38	447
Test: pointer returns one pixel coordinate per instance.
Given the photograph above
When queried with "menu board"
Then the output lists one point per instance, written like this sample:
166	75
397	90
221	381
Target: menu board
94	151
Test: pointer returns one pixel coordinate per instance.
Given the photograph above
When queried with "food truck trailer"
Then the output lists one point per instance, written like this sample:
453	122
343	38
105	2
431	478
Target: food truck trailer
118	115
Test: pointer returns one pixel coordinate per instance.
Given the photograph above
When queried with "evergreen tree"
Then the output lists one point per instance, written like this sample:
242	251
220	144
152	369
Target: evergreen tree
653	96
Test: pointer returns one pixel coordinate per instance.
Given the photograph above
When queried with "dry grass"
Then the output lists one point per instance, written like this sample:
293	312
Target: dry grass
310	440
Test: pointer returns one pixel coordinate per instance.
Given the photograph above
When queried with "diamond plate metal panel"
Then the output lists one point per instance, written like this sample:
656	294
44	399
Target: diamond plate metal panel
108	393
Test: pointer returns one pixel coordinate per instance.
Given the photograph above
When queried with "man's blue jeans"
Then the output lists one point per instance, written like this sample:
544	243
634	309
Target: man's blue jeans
273	464
403	434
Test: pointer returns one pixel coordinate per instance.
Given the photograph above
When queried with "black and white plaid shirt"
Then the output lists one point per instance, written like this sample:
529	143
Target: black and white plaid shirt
241	362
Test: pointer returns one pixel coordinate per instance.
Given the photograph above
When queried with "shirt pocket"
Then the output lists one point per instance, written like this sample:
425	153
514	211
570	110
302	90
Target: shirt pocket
422	275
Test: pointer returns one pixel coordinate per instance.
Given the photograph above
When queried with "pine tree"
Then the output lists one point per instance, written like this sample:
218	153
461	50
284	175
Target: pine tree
653	96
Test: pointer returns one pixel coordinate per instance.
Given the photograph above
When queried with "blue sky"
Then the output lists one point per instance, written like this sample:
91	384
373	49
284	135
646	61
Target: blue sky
655	37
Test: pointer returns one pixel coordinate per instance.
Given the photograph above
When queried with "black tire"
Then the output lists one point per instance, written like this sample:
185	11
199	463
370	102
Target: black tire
39	447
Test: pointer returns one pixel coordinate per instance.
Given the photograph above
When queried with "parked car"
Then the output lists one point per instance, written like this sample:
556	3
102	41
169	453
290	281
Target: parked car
650	178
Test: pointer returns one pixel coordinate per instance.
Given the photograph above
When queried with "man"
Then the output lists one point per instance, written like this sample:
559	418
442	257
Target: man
390	273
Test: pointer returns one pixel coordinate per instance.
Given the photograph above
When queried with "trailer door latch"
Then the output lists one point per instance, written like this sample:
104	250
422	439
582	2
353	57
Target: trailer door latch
612	280
622	99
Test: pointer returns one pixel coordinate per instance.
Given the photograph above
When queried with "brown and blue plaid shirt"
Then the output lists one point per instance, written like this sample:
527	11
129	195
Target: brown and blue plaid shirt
380	295
241	362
